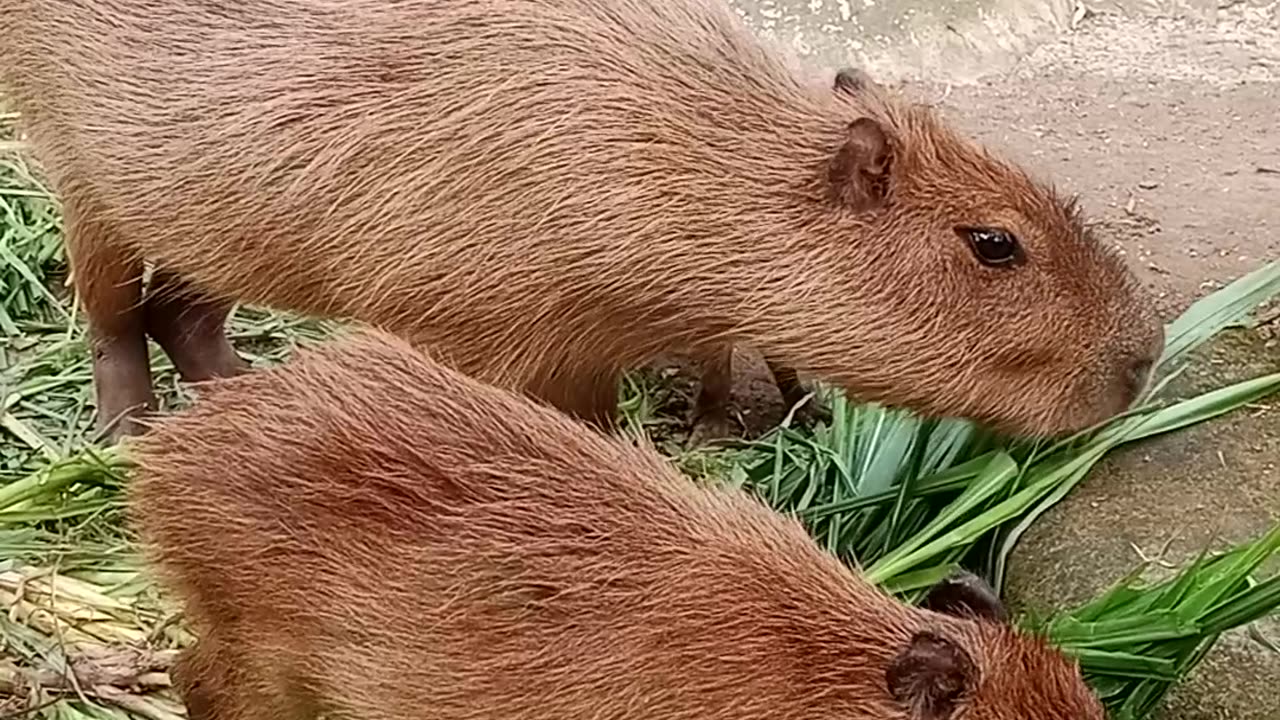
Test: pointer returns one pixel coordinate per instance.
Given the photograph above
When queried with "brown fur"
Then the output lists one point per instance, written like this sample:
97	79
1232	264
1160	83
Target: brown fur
366	533
545	192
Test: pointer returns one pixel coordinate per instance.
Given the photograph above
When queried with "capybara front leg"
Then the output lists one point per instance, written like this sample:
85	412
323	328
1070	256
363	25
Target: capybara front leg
595	400
793	392
108	281
711	419
190	325
591	397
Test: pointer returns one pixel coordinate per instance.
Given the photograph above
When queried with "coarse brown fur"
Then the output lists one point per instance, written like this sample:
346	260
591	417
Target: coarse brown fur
546	192
365	533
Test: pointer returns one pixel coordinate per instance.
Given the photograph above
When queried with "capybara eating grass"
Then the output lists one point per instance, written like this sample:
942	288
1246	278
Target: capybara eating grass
366	533
546	192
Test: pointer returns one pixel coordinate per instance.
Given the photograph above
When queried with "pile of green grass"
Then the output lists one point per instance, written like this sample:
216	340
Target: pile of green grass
31	250
906	499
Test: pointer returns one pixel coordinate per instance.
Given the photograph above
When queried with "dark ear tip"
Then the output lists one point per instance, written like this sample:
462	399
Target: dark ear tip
865	124
960	576
962	593
851	80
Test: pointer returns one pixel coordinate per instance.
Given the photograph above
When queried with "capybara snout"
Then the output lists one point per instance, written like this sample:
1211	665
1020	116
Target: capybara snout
546	193
365	533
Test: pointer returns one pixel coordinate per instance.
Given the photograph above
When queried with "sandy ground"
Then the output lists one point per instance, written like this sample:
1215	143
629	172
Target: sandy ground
1170	131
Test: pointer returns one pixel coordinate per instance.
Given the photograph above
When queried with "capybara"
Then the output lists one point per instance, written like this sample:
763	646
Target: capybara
365	533
545	192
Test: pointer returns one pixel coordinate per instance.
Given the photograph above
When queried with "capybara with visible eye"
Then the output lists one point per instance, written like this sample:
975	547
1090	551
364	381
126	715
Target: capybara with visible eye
546	192
365	533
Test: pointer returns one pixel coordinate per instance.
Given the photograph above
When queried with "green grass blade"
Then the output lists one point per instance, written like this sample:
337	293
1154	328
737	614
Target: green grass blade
1205	407
1257	602
1123	664
1209	315
997	476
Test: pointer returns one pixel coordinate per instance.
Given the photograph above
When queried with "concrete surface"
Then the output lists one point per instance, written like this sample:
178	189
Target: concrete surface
1165	116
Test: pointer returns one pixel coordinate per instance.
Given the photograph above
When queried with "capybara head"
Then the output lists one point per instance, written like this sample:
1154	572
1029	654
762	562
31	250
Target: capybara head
998	303
367	533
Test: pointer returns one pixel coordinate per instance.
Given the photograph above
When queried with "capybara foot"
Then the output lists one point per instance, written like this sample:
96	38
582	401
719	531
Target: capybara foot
190	326
712	425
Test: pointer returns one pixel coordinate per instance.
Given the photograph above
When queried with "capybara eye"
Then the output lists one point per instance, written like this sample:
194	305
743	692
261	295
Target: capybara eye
992	246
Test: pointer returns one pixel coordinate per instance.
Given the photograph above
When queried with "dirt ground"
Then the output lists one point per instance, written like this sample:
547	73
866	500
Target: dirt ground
1170	132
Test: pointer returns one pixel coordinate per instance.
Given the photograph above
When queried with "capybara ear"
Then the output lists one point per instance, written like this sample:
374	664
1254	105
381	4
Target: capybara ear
964	594
852	81
859	172
930	676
